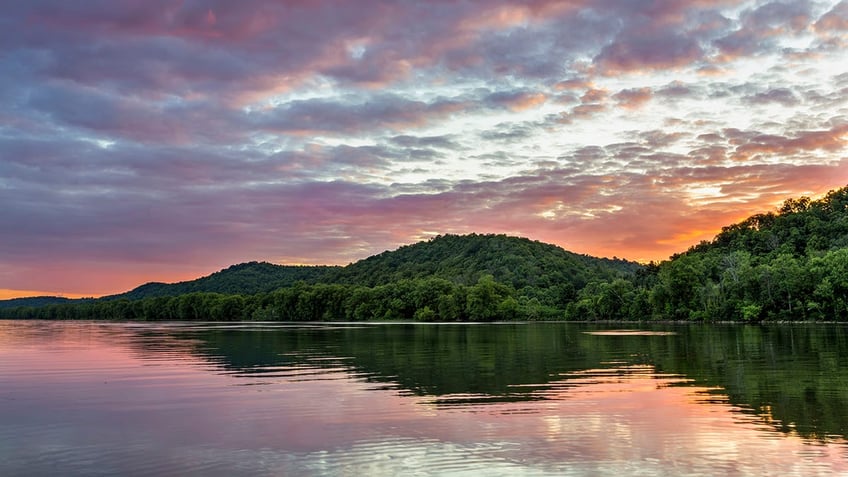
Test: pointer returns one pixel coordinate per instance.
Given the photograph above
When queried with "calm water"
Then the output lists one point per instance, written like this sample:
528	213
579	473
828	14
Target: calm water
415	400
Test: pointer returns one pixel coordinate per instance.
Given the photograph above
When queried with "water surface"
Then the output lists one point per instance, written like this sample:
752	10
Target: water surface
84	398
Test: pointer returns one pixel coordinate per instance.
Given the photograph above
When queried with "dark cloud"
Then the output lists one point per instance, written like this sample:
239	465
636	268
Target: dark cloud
439	142
118	117
648	50
761	26
379	113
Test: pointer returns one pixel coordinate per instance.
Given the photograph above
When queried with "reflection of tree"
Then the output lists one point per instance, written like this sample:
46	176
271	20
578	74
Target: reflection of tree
794	376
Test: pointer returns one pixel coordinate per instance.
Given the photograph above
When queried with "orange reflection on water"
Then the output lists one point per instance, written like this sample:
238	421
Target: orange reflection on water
120	390
630	418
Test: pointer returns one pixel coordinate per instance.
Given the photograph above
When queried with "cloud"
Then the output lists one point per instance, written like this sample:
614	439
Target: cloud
379	113
648	50
675	90
186	136
516	100
438	142
782	96
762	26
835	20
507	132
801	141
119	117
633	98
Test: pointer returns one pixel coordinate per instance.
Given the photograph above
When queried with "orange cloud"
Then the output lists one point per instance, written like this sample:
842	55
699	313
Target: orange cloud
835	20
633	98
527	101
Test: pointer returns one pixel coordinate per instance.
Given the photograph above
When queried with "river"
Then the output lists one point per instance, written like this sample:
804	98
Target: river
385	399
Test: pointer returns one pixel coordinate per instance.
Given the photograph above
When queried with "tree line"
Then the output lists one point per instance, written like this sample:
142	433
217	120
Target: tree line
787	265
427	299
791	264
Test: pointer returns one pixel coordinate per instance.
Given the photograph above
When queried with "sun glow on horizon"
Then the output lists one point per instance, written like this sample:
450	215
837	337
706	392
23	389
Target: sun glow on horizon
8	294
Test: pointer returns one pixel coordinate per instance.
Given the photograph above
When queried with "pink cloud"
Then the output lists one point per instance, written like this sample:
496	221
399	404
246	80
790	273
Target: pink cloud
185	136
826	140
648	51
836	20
633	98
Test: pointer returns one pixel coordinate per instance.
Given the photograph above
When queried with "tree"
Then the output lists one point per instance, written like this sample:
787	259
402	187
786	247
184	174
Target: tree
484	299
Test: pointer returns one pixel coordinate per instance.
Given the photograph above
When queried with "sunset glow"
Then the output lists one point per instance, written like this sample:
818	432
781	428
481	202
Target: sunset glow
164	140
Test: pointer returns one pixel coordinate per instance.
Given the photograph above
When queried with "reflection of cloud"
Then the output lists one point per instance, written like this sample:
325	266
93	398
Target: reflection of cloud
288	421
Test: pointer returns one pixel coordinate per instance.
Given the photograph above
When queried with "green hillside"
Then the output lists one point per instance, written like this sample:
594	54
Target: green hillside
38	301
789	264
451	277
463	259
244	278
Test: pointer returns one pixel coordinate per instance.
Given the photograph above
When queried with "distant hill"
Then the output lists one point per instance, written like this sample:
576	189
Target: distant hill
789	264
39	301
244	278
477	277
460	259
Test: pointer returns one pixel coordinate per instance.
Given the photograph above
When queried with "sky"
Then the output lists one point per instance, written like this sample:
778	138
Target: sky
162	140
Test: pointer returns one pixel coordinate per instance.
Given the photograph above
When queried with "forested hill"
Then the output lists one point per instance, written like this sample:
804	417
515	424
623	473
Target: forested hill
450	277
789	264
244	278
463	259
460	259
38	301
800	227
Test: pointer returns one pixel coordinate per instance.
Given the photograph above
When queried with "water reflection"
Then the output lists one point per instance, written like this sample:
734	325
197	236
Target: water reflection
513	399
795	377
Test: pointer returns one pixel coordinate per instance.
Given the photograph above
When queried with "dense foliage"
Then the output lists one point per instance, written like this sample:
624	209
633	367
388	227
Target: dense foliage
458	278
427	299
791	264
517	262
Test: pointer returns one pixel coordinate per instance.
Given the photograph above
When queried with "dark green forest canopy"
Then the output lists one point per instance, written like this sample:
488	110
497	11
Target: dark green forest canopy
463	259
789	264
449	277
